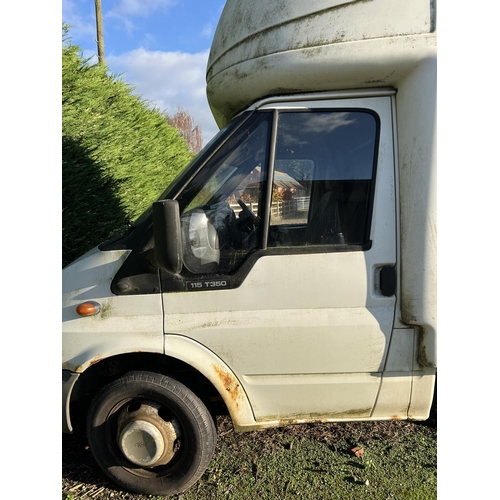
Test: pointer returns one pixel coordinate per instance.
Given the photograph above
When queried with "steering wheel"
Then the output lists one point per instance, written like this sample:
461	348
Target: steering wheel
248	213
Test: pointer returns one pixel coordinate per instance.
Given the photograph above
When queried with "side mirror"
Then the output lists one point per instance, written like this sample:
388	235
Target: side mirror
167	235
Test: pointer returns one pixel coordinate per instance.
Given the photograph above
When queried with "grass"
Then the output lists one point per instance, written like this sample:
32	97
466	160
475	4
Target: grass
303	462
303	468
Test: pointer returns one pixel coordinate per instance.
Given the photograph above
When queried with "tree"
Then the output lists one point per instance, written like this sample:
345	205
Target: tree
118	153
184	123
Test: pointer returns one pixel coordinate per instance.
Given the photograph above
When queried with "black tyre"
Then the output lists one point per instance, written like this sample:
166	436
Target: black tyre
151	434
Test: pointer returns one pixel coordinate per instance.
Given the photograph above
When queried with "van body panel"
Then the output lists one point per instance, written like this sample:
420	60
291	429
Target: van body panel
393	398
417	144
422	393
295	47
217	372
266	28
124	323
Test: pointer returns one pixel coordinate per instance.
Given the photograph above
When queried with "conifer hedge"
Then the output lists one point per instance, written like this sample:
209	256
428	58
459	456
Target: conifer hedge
118	153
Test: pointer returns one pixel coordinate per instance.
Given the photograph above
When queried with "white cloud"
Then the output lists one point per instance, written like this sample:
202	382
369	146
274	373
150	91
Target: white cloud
169	79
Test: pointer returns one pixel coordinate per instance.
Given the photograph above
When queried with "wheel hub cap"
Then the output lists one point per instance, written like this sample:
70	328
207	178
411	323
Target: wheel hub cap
144	437
142	443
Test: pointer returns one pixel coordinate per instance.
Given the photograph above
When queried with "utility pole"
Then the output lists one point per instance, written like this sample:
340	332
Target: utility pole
100	38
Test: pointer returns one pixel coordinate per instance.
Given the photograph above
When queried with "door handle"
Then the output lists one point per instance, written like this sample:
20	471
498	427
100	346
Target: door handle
388	281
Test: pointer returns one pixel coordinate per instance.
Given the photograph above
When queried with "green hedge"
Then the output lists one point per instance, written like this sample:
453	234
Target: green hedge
118	153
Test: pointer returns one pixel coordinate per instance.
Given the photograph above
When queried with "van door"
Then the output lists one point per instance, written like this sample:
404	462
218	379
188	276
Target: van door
289	236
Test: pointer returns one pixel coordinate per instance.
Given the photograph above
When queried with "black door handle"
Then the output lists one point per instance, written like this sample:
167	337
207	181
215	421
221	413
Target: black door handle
388	281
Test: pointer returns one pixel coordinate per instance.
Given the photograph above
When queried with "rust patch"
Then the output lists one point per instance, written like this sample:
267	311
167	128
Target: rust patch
314	418
230	384
270	421
96	359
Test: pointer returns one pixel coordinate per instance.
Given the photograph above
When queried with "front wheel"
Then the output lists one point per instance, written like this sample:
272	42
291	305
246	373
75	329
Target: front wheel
151	434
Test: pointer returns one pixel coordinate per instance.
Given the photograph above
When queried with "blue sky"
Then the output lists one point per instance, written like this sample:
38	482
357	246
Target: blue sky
159	46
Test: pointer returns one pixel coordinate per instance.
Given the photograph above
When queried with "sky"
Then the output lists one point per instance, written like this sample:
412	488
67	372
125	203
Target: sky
160	47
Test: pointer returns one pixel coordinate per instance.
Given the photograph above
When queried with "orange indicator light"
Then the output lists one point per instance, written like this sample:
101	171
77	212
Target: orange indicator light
88	308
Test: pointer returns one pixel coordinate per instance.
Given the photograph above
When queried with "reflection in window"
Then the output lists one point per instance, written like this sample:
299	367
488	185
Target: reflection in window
322	186
221	208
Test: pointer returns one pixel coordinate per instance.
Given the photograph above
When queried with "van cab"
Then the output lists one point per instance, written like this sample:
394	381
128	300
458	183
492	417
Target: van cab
288	272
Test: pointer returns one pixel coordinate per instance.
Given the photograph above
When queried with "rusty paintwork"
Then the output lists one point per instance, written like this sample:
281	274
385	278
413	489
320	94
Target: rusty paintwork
312	418
81	368
234	391
270	422
225	382
93	361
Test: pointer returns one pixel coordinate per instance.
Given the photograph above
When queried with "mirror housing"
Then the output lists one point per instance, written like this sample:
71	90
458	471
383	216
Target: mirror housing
167	235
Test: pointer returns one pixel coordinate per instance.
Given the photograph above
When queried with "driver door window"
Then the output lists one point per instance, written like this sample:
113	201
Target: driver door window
323	171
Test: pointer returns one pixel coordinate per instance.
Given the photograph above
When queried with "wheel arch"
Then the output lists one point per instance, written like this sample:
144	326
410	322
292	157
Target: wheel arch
193	364
218	373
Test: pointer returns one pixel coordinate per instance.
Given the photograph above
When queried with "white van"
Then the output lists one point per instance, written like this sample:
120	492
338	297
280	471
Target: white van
289	272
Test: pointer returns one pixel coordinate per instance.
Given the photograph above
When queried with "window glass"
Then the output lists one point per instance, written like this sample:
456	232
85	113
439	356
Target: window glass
322	188
323	175
221	207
